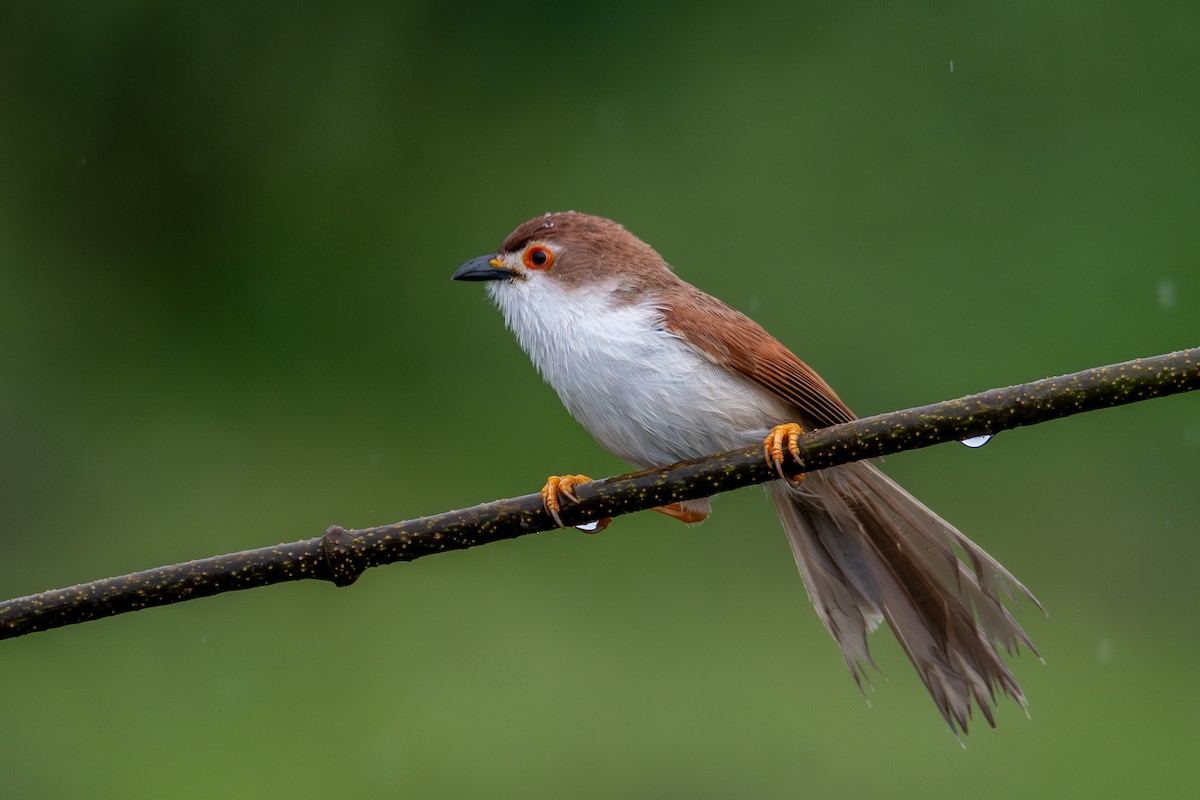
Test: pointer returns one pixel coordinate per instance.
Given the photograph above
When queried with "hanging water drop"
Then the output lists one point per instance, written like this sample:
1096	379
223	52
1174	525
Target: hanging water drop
977	441
595	526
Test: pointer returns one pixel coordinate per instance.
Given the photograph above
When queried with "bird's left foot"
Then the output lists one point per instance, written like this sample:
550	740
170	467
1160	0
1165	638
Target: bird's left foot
784	437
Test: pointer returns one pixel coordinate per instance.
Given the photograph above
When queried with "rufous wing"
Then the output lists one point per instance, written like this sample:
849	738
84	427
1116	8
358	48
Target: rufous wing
732	339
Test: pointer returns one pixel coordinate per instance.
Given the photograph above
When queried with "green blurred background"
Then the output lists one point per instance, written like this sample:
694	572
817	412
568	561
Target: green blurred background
226	320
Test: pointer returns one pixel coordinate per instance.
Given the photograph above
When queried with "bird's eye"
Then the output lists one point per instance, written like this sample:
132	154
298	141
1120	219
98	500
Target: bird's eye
538	257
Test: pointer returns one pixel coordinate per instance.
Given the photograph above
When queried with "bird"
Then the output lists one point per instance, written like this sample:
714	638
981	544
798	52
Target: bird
658	372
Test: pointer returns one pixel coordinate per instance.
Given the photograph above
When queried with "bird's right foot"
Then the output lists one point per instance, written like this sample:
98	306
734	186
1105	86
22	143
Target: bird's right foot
558	486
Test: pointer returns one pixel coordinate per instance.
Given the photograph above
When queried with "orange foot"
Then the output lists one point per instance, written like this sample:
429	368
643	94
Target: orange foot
564	486
784	437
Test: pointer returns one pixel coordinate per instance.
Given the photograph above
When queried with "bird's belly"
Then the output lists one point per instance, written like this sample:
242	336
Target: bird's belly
652	399
650	425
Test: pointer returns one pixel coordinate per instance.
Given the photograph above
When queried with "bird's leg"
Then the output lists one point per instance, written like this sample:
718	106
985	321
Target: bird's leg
564	486
680	512
784	437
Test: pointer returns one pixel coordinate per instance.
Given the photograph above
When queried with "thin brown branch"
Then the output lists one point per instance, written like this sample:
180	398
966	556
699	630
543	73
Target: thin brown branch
341	555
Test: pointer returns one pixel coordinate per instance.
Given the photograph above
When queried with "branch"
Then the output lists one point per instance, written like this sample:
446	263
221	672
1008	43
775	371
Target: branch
341	555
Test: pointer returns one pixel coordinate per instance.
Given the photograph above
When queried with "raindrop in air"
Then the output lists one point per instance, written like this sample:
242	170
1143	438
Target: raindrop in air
1166	293
977	441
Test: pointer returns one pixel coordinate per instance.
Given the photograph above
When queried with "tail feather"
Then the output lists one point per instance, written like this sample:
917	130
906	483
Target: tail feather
868	551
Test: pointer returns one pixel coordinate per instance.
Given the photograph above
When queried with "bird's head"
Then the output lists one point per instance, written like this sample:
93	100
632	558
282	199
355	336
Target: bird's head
566	252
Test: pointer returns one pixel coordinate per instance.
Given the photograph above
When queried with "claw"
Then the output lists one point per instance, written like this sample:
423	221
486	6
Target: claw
783	437
560	485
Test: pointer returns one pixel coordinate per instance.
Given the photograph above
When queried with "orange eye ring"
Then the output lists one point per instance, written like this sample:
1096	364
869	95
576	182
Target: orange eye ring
538	257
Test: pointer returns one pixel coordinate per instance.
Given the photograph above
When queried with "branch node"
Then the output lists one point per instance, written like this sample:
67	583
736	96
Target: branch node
337	550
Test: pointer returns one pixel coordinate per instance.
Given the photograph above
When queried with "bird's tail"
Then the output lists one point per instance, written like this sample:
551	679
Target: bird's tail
869	551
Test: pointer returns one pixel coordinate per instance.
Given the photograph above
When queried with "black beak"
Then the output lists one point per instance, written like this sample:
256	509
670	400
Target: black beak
483	268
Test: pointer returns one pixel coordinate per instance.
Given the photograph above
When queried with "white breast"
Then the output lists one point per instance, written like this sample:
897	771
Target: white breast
643	393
